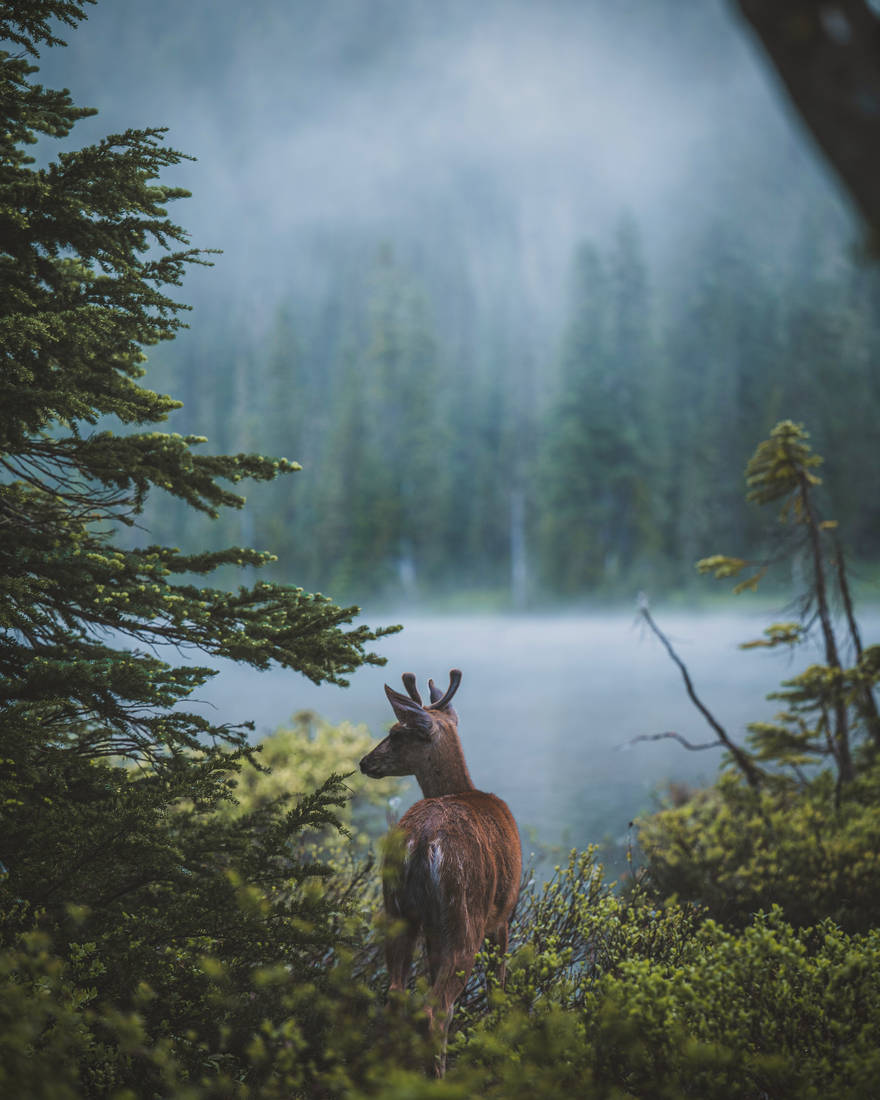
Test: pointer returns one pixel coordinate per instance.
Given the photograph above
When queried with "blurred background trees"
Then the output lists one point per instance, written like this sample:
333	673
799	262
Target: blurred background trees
404	304
625	454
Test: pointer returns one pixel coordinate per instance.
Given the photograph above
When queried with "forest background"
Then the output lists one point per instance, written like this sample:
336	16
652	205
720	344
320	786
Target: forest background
522	333
176	920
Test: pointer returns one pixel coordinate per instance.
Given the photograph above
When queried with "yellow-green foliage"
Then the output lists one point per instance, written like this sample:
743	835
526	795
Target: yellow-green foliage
59	1042
736	851
607	997
301	757
770	1013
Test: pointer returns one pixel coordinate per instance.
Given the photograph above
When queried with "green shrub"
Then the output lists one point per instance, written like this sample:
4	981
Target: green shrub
607	997
150	901
770	1013
735	850
298	759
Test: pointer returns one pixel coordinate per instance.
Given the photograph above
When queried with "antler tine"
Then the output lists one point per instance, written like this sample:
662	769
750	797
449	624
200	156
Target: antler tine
409	682
454	681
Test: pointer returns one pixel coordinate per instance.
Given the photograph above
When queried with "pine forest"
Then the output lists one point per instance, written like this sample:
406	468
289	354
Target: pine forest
547	331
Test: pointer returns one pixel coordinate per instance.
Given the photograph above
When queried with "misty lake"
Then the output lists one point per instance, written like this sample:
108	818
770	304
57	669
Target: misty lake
547	702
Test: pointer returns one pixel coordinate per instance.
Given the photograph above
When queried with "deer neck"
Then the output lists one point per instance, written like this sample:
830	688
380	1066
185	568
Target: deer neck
444	770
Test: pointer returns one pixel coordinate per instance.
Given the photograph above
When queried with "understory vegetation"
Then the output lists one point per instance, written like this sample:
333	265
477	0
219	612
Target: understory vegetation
263	978
187	916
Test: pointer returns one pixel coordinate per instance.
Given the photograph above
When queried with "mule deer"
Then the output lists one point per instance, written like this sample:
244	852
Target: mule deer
458	878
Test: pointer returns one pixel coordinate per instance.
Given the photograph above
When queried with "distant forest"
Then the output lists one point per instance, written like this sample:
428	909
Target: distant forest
616	463
520	284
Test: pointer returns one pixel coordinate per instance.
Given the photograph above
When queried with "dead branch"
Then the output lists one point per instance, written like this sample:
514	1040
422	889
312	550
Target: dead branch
745	764
675	737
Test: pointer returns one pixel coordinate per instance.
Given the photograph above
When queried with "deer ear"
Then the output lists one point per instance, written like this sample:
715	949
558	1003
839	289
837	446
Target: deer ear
410	713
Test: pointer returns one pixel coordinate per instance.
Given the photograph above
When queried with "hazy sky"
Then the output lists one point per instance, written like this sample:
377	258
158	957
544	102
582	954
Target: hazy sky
512	126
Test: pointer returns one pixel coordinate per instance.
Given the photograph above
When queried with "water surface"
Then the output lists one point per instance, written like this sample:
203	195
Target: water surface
547	703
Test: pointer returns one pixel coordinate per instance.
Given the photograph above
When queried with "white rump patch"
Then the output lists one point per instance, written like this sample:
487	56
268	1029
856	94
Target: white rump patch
435	859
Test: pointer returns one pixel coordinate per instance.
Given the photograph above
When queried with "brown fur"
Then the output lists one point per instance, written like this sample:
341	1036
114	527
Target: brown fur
455	876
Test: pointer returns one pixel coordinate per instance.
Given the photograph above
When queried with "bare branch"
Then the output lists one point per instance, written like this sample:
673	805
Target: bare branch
745	764
675	737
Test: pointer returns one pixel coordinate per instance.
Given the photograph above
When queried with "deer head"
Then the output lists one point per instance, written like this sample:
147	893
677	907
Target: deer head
423	741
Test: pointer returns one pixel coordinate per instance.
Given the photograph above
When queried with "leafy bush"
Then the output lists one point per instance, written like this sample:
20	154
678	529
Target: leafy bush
735	850
299	759
148	900
607	996
677	1011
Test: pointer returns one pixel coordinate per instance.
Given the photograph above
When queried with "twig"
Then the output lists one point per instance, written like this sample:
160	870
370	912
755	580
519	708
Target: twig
871	715
746	766
675	737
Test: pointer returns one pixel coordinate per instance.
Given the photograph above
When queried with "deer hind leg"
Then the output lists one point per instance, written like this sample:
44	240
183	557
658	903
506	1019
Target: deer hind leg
498	938
399	956
449	976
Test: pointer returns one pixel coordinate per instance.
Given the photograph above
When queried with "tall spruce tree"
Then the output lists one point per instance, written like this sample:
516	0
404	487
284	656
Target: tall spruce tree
596	460
107	785
638	478
571	533
385	483
724	379
79	302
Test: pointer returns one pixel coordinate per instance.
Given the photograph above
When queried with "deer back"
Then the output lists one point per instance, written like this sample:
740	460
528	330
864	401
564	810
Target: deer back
460	866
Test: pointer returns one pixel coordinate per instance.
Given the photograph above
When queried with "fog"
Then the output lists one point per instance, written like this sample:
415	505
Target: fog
509	130
480	145
548	704
406	195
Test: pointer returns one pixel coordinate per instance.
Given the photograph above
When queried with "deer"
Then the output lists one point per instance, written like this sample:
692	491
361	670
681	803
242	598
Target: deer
454	875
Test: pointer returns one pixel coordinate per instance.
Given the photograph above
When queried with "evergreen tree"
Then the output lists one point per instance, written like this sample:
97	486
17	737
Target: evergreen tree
408	407
571	535
597	476
638	390
828	351
279	424
79	303
108	835
830	709
359	519
386	486
723	380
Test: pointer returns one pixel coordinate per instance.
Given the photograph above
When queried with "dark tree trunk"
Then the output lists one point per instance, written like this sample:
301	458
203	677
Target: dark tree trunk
828	56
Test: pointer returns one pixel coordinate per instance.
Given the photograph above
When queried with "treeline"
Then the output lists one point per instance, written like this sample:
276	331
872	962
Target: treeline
445	446
174	921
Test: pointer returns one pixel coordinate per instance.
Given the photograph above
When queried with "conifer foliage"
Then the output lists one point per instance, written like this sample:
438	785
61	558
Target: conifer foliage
795	823
117	869
89	250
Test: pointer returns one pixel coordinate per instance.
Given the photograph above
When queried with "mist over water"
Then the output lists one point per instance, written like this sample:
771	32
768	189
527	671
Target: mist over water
547	703
448	160
520	285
